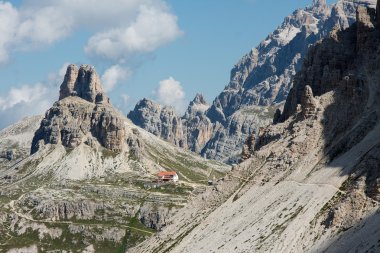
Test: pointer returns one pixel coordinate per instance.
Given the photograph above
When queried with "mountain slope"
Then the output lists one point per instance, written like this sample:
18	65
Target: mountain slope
16	140
259	83
90	180
311	184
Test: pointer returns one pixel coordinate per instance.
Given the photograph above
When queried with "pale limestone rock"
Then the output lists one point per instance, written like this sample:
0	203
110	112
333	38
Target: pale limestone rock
76	116
308	103
162	121
84	83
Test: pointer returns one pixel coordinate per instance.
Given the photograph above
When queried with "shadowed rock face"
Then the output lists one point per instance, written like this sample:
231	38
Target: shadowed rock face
83	114
334	63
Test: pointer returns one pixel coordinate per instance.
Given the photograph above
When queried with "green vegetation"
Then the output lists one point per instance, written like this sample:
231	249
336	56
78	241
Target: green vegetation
347	184
75	241
111	194
135	223
27	239
179	189
188	169
264	113
69	150
106	153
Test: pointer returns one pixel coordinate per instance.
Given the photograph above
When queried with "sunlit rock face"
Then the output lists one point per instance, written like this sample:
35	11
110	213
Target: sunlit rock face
83	114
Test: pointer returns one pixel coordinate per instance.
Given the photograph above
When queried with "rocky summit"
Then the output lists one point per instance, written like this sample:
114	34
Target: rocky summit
83	83
83	114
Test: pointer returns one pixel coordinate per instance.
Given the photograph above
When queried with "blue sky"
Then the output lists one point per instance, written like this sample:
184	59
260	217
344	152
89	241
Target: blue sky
201	41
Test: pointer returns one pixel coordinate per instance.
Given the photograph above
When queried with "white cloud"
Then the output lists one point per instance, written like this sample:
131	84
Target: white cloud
29	99
45	26
118	27
125	98
24	94
152	28
8	25
24	101
113	75
170	92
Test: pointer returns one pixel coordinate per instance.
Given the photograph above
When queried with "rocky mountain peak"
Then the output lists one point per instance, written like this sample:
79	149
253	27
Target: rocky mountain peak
197	107
199	99
319	3
358	42
147	103
320	6
82	82
72	122
160	120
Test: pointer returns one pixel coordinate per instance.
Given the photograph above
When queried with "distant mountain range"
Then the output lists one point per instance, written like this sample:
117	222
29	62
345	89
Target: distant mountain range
259	84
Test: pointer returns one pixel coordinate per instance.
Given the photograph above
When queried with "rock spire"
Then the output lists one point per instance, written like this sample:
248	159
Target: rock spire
83	82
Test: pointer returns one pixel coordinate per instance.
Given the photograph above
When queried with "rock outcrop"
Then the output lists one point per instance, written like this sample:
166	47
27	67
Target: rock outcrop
161	121
192	131
16	140
82	115
83	83
198	129
248	148
263	78
308	103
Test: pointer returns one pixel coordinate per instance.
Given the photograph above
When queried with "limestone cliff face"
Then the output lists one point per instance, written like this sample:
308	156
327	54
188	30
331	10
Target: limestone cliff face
192	131
82	115
198	128
264	76
334	63
83	83
260	82
160	120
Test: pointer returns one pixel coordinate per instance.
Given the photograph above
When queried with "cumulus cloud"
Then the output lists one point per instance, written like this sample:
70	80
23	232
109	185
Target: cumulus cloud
24	94
31	99
125	98
170	92
113	75
152	28
124	102
118	27
8	27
